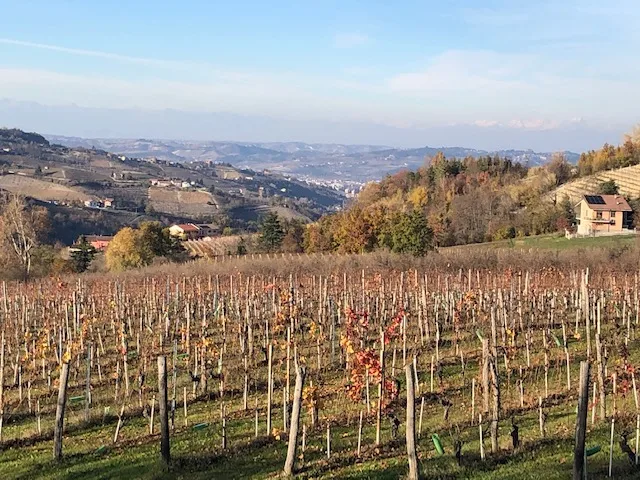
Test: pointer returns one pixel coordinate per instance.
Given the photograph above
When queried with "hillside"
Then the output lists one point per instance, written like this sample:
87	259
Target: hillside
627	179
444	203
190	203
83	180
218	246
45	190
345	166
452	201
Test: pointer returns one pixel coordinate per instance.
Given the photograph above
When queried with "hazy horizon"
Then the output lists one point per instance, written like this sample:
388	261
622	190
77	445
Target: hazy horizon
82	122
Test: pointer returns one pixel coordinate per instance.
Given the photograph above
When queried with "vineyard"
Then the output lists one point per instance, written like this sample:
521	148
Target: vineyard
181	202
627	179
359	374
215	247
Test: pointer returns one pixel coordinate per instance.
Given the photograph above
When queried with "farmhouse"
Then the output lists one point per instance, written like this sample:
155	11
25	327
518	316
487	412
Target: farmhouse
161	183
191	231
604	215
185	231
205	230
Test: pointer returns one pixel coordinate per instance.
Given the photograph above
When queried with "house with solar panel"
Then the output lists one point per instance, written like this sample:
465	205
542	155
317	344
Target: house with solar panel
604	215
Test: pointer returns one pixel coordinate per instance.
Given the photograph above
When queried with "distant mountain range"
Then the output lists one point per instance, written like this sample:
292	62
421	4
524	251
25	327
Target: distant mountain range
321	162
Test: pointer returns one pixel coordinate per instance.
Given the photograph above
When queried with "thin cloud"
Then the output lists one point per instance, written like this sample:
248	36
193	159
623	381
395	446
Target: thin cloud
461	72
93	53
182	66
485	17
350	40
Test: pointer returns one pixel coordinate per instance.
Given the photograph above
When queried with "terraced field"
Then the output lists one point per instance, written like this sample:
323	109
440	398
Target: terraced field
256	212
627	179
216	247
181	202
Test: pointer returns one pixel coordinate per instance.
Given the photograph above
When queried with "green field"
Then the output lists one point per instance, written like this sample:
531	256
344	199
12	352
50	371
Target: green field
557	242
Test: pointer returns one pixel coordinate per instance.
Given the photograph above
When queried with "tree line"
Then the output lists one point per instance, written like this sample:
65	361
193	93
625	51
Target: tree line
445	202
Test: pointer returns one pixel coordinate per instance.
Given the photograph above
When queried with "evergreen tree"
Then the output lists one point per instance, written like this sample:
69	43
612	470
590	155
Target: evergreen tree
271	233
567	211
608	188
82	255
412	234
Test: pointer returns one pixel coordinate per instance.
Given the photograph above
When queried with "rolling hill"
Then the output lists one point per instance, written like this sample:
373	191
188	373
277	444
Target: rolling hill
325	163
83	181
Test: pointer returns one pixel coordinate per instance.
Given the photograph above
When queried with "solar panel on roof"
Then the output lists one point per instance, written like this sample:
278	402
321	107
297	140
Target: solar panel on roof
595	199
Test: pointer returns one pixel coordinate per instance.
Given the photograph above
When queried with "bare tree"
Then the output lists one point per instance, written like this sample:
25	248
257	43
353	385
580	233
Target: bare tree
560	167
20	228
634	134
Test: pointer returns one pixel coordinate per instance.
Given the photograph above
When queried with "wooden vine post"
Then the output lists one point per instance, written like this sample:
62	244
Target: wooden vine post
581	423
600	369
485	376
62	402
162	410
87	395
495	389
2	346
269	388
295	421
411	424
380	389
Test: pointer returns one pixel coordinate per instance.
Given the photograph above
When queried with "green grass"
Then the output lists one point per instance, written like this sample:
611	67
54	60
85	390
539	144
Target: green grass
198	454
557	242
563	243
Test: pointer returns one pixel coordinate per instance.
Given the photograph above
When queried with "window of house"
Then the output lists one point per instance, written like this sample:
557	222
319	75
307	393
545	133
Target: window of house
598	215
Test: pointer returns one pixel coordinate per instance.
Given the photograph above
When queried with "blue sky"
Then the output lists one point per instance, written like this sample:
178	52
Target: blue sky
407	65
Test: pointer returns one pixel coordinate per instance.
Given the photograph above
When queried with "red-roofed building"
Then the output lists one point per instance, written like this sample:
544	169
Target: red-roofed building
99	242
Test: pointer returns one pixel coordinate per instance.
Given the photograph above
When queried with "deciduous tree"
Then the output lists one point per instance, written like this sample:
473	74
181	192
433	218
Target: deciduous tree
21	228
353	232
127	250
293	240
560	168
